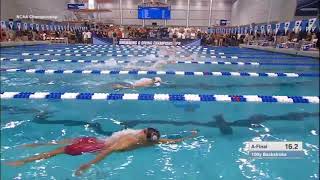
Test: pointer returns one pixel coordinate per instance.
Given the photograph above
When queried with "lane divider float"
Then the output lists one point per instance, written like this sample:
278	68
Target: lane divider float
102	51
86	55
148	61
178	73
161	97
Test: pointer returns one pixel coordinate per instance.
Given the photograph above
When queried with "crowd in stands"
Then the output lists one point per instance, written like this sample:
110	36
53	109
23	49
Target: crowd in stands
65	36
147	32
284	40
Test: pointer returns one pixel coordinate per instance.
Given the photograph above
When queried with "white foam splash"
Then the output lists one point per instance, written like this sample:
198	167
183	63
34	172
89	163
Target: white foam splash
115	121
13	124
314	132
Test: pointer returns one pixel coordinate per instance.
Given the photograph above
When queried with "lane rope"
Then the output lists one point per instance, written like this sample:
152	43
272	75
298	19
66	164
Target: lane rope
103	51
140	55
149	61
161	97
179	73
87	55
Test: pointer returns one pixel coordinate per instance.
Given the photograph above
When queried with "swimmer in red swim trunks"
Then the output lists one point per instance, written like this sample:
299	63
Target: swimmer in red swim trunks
124	140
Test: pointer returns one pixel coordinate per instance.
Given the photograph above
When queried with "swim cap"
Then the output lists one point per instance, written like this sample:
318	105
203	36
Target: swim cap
152	134
157	79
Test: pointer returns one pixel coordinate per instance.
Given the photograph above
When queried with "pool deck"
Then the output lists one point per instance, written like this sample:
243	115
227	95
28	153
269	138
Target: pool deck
314	54
23	43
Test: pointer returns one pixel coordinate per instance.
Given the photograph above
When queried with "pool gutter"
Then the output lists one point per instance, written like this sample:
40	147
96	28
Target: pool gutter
23	43
314	54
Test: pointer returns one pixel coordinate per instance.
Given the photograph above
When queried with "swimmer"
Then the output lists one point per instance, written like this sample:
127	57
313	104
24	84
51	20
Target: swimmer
124	140
173	51
160	64
144	82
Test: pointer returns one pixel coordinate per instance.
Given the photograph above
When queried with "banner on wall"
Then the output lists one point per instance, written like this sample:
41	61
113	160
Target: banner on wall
262	29
3	25
11	24
246	30
150	42
277	28
316	25
286	27
255	29
311	24
19	26
269	28
25	26
297	26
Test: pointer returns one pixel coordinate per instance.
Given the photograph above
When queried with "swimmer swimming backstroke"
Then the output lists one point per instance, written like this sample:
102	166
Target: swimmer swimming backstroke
124	140
143	82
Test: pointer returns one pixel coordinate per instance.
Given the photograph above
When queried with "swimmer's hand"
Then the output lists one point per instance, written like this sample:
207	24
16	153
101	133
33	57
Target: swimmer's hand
165	82
82	169
173	141
15	163
194	133
98	158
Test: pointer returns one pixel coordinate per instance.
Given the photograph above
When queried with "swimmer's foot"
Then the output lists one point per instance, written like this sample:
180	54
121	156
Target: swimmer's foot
15	163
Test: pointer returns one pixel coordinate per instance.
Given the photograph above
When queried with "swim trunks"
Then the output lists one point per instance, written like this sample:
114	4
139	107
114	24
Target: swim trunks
84	145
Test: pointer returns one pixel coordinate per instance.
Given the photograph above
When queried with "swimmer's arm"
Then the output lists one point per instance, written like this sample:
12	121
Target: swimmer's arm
174	141
170	141
98	158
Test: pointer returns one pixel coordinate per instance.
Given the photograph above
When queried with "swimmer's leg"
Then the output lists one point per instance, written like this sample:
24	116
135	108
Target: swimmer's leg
45	155
65	141
189	57
223	126
121	85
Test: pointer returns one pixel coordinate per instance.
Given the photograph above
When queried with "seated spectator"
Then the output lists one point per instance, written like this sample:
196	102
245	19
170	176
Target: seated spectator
3	35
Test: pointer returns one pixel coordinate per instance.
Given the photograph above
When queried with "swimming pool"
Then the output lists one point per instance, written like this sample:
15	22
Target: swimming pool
211	155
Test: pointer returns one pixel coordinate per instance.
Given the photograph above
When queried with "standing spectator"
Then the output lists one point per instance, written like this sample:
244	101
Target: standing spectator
114	38
174	39
44	36
85	37
89	36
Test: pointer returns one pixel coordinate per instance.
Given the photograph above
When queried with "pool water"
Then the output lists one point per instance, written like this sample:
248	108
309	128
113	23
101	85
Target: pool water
211	155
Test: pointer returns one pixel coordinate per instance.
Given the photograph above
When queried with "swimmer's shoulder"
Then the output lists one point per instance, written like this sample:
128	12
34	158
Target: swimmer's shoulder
144	79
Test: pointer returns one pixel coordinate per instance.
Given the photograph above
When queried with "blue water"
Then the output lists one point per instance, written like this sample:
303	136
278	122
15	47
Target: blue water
211	155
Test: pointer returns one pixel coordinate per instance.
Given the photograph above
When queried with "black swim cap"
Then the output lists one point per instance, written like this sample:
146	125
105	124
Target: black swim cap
152	134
